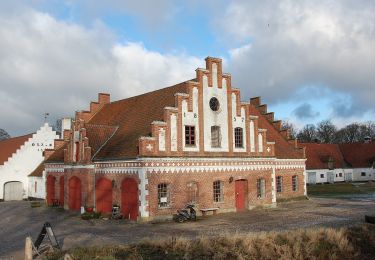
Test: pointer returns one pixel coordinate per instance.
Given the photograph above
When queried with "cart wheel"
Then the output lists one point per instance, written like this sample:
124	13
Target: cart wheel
180	219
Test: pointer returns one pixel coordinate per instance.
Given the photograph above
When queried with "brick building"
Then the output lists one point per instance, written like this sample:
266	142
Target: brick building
191	142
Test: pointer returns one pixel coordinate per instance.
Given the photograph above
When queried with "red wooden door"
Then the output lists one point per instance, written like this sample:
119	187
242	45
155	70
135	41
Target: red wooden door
62	191
241	194
74	193
129	198
104	195
50	189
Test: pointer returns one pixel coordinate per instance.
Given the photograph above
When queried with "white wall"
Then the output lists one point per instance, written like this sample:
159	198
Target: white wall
40	191
26	159
370	174
325	172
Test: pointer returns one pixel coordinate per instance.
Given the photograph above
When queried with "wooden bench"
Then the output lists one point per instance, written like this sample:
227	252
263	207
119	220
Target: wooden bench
213	210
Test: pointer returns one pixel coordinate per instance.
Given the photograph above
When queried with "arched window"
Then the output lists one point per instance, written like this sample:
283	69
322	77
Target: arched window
192	192
238	137
163	195
218	191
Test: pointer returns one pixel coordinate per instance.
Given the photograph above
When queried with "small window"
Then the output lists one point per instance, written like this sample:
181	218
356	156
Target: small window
192	189
163	195
35	187
363	174
340	174
189	135
238	137
322	175
214	104
218	191
279	184
215	136
261	188
295	183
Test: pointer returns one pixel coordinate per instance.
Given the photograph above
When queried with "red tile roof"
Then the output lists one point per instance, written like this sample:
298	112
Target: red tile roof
283	149
10	146
359	155
133	117
57	156
38	172
98	135
318	155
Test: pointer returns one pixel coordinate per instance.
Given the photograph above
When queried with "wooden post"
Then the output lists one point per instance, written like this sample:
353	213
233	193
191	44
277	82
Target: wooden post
28	249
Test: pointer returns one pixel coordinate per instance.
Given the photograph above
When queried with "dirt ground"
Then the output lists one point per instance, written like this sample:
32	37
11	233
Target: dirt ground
19	220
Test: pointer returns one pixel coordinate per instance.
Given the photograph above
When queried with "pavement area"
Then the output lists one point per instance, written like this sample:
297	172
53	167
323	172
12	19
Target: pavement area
18	220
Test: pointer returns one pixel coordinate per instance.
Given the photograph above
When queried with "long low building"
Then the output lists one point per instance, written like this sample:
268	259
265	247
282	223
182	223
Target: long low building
329	163
194	142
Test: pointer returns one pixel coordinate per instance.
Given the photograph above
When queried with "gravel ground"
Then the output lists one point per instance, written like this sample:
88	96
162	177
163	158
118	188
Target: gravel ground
18	220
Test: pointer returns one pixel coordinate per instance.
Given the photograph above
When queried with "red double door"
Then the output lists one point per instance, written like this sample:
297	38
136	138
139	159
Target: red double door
129	198
104	195
50	189
74	201
241	194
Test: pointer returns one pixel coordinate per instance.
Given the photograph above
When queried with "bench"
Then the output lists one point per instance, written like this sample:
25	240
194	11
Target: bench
213	210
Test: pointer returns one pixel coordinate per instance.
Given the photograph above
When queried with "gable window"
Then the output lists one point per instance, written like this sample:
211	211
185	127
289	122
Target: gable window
218	191
215	136
189	135
279	184
261	188
238	137
192	192
214	104
363	174
295	183
163	195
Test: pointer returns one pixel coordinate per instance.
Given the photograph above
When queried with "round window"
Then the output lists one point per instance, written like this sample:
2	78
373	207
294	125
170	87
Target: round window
214	104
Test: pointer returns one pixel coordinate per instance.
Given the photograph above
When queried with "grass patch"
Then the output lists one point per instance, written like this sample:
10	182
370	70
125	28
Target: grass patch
299	198
340	189
321	243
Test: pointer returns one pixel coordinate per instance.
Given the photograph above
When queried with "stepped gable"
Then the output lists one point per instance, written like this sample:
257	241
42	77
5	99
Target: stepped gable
38	172
133	117
318	155
10	146
98	135
359	155
285	148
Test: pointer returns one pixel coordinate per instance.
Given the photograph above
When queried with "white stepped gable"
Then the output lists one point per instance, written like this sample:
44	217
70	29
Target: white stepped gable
27	157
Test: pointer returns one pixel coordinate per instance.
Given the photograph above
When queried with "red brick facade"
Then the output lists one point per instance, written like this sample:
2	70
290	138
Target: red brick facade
139	145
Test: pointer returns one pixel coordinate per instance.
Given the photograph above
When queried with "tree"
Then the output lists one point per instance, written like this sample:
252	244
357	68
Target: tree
349	134
3	134
326	131
286	125
308	134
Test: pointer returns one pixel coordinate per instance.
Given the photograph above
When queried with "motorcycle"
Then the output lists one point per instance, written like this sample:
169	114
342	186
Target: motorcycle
187	213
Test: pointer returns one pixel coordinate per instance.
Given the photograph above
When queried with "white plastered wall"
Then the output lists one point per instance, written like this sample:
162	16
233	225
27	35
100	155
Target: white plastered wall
322	175
26	159
40	190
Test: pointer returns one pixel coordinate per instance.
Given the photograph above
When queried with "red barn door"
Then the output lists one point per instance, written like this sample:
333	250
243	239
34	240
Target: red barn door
129	198
241	194
50	189
74	193
104	195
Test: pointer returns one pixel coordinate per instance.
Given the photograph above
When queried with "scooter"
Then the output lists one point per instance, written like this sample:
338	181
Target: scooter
187	213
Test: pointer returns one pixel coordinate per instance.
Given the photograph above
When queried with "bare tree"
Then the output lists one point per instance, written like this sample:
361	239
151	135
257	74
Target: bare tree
286	125
308	134
3	134
326	131
349	134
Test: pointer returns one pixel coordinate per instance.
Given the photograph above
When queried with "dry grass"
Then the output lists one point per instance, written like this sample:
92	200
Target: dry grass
321	243
340	189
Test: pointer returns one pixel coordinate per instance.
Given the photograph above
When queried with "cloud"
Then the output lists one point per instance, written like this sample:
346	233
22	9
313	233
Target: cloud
286	45
47	65
305	111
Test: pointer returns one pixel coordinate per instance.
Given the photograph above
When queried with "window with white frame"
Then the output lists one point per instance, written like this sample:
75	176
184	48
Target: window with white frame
295	183
163	195
261	188
218	191
322	175
363	174
279	184
215	136
192	192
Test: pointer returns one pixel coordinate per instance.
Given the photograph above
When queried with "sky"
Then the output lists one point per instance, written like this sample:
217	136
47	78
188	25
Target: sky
308	60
